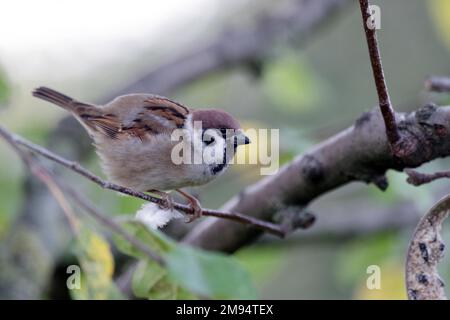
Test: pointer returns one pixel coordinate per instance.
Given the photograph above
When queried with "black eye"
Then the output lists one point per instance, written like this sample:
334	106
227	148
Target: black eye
223	132
209	141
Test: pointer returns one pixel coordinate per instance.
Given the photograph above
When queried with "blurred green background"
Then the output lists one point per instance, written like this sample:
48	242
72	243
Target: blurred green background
309	93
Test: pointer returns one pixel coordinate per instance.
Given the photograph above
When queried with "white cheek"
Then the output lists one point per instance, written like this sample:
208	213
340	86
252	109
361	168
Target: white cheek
213	153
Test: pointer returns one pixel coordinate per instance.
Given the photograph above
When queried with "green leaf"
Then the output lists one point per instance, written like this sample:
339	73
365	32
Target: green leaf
165	289
155	240
86	293
145	277
151	281
187	270
184	294
209	274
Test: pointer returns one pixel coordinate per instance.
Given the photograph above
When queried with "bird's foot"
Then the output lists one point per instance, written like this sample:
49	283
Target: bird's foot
197	210
167	203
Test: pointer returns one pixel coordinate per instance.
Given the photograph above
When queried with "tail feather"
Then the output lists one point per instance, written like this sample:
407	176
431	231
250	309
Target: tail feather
58	98
90	116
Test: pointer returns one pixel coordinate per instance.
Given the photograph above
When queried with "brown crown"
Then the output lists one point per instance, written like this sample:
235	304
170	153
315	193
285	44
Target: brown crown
215	119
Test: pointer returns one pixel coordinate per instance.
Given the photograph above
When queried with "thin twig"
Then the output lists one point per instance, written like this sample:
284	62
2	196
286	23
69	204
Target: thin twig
438	84
38	171
53	184
267	226
383	95
57	193
417	178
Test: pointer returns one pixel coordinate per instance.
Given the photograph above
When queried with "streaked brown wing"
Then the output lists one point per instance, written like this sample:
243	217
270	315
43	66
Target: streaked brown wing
157	115
167	109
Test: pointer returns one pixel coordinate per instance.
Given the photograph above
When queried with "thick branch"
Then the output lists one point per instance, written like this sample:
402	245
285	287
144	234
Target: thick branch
359	153
375	59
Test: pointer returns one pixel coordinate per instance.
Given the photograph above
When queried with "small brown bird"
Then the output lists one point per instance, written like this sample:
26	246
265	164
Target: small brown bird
132	136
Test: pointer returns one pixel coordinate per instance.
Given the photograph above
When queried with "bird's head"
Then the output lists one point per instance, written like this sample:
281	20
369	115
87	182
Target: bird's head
221	135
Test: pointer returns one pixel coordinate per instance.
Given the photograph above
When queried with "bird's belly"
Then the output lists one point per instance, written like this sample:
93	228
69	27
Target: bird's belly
148	165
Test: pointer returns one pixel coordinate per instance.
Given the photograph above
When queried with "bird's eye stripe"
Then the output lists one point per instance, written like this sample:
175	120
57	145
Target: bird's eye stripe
209	141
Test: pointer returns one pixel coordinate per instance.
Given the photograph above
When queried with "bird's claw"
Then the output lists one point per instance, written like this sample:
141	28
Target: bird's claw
167	201
195	205
197	210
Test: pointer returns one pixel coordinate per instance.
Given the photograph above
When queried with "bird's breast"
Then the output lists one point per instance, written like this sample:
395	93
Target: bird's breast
149	164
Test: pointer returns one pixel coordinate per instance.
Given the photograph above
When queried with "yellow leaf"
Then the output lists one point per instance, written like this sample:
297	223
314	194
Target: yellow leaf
98	250
440	15
97	266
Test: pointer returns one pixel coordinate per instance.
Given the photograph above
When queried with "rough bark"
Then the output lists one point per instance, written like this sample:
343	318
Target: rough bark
359	153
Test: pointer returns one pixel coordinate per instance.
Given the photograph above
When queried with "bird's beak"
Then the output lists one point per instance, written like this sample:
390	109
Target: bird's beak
241	138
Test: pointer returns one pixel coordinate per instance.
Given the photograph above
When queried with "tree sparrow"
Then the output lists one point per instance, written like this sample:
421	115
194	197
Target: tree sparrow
132	135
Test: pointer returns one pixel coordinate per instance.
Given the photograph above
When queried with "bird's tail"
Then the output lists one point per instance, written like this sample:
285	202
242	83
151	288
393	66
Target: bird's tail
60	99
90	116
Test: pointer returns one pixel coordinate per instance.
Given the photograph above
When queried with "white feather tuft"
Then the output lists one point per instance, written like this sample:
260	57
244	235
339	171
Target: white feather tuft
151	215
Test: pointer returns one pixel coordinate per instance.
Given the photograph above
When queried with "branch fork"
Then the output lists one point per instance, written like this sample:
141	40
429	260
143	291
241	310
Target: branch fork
400	146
